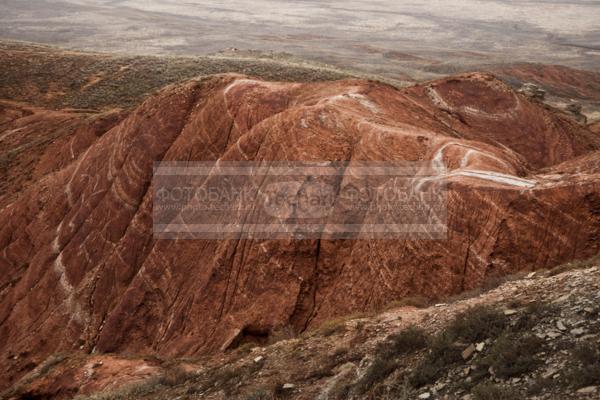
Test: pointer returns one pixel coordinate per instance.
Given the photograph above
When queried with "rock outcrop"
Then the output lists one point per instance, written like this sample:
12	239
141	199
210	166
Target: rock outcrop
533	91
557	80
82	271
575	108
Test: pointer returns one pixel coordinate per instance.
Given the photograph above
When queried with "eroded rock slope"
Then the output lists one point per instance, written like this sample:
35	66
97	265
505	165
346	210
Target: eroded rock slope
82	272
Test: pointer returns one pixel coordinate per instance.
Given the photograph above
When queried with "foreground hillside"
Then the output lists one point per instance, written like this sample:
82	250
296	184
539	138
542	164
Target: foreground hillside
534	337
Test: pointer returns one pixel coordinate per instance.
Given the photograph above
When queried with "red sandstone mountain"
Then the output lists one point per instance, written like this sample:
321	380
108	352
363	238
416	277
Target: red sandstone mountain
82	272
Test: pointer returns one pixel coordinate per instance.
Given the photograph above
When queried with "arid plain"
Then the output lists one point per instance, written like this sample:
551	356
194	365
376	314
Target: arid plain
421	39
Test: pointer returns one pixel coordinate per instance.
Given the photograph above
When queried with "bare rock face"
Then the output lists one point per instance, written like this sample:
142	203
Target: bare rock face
82	272
574	108
36	142
533	91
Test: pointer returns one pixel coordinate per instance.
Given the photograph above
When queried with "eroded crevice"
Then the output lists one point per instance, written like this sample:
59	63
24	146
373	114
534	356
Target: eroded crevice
250	335
306	300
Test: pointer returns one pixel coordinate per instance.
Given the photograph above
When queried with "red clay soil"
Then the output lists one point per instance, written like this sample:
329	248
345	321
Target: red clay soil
558	80
82	272
36	142
64	378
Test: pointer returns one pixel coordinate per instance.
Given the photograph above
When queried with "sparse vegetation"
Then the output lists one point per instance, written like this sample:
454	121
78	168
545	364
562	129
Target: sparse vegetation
320	372
379	369
284	333
340	352
245	348
477	323
577	264
332	327
220	377
260	394
443	353
490	283
404	342
325	366
42	370
131	392
99	81
401	390
410	301
405	364
341	391
388	352
49	364
533	314
175	376
513	355
538	386
586	368
490	391
171	376
338	325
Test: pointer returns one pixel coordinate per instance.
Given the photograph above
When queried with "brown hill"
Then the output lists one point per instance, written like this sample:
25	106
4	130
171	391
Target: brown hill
55	78
83	272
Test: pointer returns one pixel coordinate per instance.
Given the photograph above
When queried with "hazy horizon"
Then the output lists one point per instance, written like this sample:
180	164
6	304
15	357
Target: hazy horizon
360	34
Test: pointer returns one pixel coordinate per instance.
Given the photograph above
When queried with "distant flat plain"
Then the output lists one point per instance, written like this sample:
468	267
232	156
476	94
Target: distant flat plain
416	38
